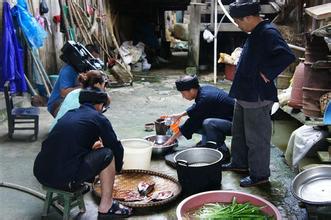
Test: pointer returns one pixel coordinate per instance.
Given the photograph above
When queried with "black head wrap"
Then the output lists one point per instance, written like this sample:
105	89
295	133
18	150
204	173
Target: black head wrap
187	83
242	9
93	96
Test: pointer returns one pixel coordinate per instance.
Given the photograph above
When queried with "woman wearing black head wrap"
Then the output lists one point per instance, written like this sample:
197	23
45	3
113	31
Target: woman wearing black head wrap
264	56
94	79
68	157
210	115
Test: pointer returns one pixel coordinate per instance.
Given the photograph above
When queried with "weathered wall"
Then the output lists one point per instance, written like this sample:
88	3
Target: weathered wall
50	52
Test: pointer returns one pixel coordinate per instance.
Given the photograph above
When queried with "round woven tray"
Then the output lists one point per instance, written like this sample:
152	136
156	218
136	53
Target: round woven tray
129	180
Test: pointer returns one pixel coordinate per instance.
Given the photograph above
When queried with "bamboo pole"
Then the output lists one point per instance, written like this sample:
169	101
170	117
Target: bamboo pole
33	91
65	21
78	23
39	66
81	21
43	71
41	74
71	18
84	31
116	45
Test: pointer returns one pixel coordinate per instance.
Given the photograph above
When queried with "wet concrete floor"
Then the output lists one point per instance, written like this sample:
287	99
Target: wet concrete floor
152	95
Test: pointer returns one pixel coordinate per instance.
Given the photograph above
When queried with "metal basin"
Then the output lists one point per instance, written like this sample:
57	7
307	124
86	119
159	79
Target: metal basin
313	186
158	141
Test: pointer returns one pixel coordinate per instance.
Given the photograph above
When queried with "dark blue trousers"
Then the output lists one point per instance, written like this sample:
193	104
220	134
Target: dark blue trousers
215	130
251	136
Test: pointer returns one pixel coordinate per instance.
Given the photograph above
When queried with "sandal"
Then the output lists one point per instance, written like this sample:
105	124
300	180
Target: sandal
117	210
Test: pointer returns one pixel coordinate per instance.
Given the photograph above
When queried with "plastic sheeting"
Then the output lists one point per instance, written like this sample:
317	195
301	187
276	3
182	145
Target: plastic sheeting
301	141
32	30
132	54
11	55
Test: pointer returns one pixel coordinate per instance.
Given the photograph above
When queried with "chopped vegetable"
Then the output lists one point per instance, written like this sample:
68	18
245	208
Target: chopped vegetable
233	211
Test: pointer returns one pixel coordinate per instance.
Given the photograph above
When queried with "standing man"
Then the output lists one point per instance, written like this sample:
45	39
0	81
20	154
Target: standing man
68	156
265	55
210	115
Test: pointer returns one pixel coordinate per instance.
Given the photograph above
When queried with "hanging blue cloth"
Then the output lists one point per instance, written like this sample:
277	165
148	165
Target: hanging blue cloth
32	30
11	55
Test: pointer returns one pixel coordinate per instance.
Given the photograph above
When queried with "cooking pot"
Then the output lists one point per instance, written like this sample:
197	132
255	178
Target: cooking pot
199	169
158	141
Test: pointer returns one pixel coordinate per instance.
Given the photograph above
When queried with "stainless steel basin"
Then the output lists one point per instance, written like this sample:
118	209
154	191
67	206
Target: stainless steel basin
158	141
313	186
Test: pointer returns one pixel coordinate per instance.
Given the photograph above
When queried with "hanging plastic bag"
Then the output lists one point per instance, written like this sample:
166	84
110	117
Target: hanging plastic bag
32	30
43	8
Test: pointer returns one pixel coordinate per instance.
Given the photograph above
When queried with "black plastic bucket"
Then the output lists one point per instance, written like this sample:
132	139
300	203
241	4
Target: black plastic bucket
199	170
160	127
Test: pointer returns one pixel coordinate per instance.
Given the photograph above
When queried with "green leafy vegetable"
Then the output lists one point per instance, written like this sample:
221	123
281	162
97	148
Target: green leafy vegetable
233	211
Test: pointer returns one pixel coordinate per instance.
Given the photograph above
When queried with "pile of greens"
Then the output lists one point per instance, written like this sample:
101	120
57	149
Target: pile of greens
235	211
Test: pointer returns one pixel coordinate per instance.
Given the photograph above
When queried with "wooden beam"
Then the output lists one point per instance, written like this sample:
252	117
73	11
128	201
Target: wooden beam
320	12
299	16
225	27
194	35
265	9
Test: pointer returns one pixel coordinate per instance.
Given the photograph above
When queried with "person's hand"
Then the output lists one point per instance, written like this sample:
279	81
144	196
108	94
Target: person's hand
169	142
175	117
98	144
265	79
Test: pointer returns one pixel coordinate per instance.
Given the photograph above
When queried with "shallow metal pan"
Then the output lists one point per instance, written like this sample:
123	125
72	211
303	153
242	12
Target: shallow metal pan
313	186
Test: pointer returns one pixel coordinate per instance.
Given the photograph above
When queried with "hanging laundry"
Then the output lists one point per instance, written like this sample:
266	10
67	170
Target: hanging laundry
11	58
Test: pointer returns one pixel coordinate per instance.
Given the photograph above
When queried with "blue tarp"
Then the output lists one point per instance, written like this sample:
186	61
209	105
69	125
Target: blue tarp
32	30
11	56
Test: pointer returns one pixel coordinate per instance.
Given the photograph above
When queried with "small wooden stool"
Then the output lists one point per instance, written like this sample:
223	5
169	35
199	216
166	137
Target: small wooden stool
68	199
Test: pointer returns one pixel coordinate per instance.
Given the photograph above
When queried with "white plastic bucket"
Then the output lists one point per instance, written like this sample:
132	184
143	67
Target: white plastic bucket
137	154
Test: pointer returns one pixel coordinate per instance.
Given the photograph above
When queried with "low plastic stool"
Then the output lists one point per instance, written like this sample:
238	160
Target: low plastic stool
68	199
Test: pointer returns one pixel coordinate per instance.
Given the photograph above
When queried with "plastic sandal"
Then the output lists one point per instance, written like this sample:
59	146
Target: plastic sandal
117	210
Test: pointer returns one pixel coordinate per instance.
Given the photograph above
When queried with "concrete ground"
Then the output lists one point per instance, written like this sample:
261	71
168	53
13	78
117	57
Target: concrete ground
151	95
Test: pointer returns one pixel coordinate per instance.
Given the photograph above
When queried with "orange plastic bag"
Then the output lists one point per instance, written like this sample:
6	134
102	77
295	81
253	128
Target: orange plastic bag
174	126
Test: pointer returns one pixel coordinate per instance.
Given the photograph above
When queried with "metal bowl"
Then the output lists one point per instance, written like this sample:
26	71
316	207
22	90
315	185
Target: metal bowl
158	141
149	127
313	186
